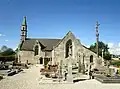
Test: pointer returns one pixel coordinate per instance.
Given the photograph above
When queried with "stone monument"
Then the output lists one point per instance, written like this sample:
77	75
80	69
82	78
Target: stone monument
89	71
79	64
69	75
60	68
83	64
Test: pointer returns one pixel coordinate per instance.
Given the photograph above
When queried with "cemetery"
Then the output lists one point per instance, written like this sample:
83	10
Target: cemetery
9	68
59	61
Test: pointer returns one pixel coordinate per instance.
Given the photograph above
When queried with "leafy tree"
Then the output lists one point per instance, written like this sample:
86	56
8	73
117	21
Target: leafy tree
5	51
107	56
3	48
7	54
9	51
101	46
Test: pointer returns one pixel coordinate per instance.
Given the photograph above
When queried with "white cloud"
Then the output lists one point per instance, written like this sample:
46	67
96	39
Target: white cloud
114	49
104	41
119	44
6	40
87	46
14	48
2	34
110	45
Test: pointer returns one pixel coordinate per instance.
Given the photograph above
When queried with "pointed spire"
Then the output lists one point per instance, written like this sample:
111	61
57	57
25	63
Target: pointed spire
24	21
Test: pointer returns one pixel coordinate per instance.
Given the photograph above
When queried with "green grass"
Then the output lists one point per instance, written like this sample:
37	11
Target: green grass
115	63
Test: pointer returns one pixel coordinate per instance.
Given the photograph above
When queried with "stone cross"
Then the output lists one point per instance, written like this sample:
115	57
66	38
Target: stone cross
69	75
97	38
89	70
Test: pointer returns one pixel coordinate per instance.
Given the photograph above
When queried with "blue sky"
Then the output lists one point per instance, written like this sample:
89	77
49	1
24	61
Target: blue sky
54	18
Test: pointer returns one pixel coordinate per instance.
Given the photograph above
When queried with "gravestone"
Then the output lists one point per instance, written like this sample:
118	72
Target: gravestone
83	64
89	71
61	63
79	66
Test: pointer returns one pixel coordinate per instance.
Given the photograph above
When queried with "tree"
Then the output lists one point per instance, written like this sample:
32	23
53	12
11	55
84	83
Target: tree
5	51
8	52
3	48
101	46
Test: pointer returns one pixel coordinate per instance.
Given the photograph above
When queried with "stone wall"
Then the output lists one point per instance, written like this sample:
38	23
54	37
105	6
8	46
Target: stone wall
59	51
27	55
40	53
87	53
78	50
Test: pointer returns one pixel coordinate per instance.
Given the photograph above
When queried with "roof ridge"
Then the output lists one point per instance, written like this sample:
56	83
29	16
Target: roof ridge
49	43
45	38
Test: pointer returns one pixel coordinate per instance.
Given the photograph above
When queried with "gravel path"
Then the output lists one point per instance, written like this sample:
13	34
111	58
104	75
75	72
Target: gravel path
29	79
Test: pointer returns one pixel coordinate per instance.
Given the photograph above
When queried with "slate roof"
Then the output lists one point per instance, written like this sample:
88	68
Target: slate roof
46	43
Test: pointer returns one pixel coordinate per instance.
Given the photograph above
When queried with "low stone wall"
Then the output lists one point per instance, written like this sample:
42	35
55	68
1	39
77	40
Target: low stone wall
104	79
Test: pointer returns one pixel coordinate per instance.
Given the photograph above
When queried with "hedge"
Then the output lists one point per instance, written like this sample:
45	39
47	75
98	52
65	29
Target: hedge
7	58
115	63
1	77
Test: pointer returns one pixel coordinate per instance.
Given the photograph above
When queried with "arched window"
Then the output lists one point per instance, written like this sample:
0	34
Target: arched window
68	48
36	50
91	58
23	28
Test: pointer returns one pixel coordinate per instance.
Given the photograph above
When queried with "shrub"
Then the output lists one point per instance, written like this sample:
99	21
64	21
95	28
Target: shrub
119	71
47	75
115	63
95	69
1	77
107	56
42	70
108	75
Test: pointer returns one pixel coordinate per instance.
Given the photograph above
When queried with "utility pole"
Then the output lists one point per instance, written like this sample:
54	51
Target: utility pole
97	38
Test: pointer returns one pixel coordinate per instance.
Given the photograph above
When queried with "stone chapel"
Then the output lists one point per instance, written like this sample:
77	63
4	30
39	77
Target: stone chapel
52	51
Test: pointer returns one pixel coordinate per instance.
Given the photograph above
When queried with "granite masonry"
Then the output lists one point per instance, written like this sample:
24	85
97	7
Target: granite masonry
51	51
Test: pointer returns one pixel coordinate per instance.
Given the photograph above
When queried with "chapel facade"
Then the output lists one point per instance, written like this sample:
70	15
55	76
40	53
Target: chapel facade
53	51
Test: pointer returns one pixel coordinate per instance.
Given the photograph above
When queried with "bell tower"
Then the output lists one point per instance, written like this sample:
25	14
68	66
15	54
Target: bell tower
24	30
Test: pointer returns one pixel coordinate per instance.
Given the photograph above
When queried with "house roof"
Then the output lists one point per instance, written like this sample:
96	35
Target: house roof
47	43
